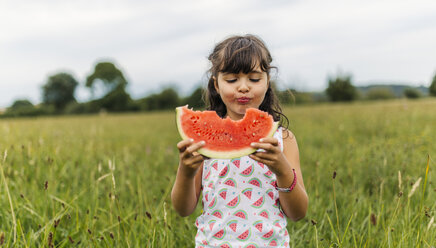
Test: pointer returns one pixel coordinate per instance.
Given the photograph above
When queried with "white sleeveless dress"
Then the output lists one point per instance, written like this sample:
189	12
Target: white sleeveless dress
241	206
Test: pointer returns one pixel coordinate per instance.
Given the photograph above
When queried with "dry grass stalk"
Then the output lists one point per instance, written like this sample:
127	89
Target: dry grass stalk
414	187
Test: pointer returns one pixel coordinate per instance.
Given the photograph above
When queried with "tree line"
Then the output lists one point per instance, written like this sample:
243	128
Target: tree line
58	95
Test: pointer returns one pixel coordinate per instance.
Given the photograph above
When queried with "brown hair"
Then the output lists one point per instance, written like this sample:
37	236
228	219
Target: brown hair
242	54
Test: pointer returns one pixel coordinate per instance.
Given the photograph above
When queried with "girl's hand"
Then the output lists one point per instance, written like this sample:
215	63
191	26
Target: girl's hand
272	157
189	159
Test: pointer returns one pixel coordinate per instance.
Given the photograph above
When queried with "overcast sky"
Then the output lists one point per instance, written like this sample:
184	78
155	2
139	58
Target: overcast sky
165	42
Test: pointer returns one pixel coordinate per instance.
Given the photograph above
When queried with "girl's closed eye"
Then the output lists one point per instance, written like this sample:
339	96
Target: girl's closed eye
255	79
231	80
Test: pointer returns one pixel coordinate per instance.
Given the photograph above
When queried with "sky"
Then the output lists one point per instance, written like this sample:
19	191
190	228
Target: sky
165	43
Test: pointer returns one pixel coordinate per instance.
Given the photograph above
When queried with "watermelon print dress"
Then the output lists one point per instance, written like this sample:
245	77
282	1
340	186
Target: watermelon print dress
241	207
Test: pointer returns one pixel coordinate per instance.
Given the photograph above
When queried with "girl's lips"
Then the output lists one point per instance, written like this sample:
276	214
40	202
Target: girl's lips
243	100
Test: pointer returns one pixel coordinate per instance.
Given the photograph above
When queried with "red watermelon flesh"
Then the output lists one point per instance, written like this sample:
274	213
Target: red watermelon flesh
225	138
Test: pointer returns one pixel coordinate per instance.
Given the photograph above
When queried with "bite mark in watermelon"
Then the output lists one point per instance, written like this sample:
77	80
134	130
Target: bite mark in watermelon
224	138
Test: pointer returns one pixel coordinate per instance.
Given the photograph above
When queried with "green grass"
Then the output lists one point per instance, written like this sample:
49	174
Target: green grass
105	181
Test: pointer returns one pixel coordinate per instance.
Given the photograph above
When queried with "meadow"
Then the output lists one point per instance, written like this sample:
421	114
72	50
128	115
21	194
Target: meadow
105	180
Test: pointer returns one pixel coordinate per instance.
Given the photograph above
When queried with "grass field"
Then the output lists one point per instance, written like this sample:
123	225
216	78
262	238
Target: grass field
105	181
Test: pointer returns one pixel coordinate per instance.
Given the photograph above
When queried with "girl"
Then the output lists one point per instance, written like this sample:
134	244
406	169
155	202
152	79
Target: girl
240	79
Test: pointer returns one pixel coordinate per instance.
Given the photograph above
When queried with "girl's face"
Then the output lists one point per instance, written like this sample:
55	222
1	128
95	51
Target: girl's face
241	91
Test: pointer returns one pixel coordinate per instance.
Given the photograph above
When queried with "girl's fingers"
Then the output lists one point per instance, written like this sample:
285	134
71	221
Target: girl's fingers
259	159
189	152
266	146
195	160
183	144
273	141
264	155
194	147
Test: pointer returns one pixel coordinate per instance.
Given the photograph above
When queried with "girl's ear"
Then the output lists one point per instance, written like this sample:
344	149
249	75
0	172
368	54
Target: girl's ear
215	83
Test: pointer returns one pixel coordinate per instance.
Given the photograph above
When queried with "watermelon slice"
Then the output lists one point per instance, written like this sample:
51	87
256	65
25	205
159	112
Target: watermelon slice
225	245
224	138
218	214
245	235
233	224
258	203
269	234
251	245
220	234
241	214
234	202
223	193
247	192
258	225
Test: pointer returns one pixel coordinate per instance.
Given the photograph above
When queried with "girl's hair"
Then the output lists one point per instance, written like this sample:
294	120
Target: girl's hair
242	54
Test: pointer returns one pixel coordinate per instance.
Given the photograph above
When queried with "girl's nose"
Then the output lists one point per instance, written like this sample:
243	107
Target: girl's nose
243	87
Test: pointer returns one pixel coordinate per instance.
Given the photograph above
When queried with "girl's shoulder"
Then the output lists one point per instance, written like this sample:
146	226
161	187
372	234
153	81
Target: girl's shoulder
286	133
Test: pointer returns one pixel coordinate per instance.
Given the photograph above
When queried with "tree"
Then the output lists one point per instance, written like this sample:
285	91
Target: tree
432	88
22	103
167	99
195	100
109	74
59	90
116	98
341	89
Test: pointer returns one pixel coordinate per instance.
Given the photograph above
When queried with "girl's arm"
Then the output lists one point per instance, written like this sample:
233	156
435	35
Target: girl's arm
294	203
187	187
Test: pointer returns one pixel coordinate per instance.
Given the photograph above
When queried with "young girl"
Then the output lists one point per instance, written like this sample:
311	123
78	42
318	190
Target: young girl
240	79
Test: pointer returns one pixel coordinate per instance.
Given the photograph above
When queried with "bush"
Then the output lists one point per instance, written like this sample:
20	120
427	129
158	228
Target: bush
341	89
412	93
380	93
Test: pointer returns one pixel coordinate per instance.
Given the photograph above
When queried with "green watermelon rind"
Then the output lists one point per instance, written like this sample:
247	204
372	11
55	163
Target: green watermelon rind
217	154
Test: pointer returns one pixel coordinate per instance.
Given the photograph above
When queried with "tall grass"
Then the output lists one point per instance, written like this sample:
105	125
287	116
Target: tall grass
105	181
